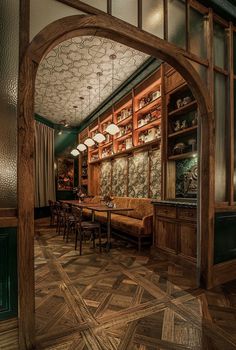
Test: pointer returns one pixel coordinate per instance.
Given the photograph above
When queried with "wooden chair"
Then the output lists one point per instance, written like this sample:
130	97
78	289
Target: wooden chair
62	209
83	227
53	212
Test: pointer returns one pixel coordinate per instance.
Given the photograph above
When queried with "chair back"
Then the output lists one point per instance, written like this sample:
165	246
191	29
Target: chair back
77	214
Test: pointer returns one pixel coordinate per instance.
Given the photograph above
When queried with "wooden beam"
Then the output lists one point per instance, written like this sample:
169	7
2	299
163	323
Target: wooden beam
80	5
231	116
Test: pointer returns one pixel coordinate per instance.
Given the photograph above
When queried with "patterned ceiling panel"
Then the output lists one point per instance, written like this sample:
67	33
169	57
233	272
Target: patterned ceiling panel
66	72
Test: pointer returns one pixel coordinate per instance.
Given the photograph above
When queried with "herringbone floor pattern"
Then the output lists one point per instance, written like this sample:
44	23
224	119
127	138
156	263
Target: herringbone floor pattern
124	301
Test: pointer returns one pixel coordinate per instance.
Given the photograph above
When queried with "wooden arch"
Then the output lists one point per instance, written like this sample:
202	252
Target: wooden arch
115	29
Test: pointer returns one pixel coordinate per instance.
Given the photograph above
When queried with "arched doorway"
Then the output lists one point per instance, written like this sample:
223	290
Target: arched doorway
105	26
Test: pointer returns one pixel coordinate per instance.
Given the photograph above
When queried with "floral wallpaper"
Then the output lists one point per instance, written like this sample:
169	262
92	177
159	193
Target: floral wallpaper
186	177
105	182
138	175
119	177
155	174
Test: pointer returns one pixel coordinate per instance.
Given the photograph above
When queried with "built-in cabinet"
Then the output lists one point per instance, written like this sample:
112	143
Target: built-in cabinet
175	230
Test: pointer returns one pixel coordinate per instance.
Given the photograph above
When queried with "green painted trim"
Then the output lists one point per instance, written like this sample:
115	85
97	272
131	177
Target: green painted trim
224	8
43	120
140	74
8	273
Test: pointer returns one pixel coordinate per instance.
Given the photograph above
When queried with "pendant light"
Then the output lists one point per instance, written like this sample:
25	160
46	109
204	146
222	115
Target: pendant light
81	147
89	141
112	128
74	152
99	137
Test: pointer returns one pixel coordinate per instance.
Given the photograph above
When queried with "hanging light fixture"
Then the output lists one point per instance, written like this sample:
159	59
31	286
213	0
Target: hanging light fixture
74	152
112	128
99	137
81	147
89	142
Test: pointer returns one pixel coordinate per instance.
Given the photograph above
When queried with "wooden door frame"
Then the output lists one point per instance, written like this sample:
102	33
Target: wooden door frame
117	30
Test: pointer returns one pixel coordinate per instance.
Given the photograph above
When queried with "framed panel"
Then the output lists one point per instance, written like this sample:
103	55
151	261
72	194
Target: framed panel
177	27
126	10
65	174
153	17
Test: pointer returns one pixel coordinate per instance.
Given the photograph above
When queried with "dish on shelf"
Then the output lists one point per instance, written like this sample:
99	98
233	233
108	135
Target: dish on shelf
179	148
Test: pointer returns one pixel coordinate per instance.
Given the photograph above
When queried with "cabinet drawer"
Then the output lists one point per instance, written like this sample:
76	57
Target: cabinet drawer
166	211
187	214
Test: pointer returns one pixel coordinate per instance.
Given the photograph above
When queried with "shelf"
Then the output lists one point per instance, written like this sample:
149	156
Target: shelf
182	156
94	151
107	144
149	125
123	137
183	131
125	120
147	143
148	106
183	109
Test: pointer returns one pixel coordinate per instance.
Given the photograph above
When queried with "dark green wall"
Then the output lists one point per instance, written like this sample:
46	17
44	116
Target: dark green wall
8	273
64	143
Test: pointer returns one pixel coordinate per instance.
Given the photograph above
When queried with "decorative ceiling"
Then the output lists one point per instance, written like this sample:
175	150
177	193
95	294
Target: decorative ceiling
67	71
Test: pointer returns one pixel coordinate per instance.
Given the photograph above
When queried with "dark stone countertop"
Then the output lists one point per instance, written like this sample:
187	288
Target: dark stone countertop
183	203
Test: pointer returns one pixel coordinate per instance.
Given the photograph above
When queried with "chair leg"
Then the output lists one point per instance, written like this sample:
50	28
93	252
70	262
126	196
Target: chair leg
99	237
76	237
80	243
93	239
139	244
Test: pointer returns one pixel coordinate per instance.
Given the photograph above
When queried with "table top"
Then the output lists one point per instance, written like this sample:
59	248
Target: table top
105	208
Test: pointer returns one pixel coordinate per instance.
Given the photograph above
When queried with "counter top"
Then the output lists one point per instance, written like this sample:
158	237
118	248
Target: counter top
177	203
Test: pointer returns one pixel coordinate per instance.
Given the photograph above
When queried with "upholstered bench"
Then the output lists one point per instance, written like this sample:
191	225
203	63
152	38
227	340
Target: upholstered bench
136	223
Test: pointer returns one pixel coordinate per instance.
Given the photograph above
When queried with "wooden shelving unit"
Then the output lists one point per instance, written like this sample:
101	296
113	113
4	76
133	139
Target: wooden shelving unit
83	163
138	126
181	123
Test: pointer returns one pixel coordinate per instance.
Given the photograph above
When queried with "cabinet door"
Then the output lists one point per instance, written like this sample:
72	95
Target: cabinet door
166	235
187	241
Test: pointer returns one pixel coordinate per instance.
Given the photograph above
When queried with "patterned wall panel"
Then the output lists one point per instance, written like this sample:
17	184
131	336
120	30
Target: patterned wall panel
186	177
155	174
105	184
138	175
9	38
119	177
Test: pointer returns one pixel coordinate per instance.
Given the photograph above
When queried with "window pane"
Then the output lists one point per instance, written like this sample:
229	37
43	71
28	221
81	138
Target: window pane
202	70
220	46
101	4
220	151
153	17
126	10
9	38
177	22
196	33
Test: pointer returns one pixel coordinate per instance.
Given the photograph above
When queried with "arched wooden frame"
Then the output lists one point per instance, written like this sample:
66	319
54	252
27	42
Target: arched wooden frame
115	29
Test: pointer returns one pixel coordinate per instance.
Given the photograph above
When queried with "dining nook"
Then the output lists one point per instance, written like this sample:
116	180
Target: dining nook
118	175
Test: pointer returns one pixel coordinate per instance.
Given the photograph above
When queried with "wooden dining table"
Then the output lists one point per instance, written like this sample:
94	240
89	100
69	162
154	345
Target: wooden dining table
104	209
99	207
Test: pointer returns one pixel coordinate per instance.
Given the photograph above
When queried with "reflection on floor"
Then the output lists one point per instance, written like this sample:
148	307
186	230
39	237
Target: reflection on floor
125	301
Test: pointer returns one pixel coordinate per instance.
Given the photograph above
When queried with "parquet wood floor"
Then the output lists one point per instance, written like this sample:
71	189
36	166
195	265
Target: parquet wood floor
122	300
